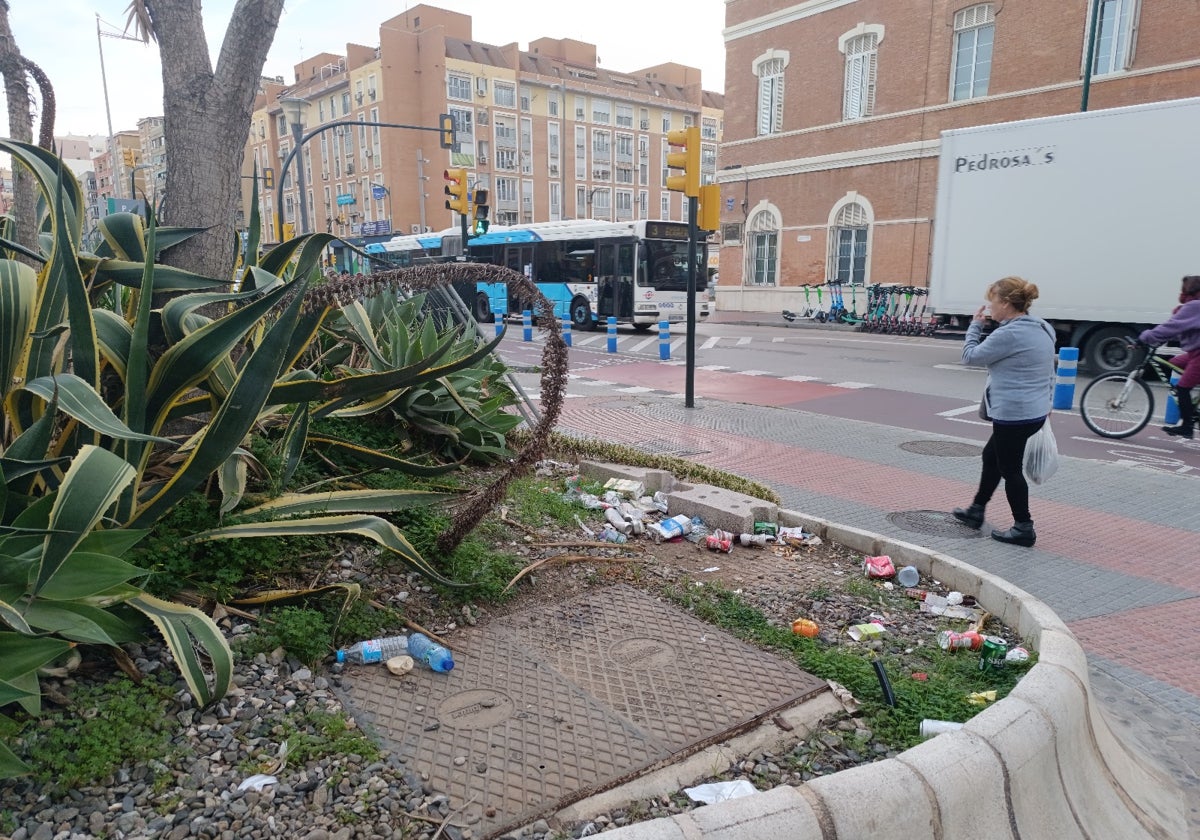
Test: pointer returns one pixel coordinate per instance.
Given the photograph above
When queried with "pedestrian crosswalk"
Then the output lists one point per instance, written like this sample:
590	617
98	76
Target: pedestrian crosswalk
575	380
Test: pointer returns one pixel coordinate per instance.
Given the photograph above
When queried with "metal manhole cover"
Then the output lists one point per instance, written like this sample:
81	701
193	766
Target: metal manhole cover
938	523
943	448
546	707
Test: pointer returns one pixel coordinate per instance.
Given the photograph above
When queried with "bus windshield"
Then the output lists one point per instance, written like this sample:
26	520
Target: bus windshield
665	263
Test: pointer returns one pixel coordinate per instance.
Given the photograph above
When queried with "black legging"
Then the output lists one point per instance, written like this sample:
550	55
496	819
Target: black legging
1004	457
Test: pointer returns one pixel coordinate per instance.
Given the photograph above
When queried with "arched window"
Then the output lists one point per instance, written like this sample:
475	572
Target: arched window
974	35
848	244
858	95
769	68
762	249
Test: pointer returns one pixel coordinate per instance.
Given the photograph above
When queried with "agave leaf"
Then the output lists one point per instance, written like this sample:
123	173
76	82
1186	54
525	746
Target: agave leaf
27	683
87	573
91	485
231	479
11	616
79	622
114	335
166	278
78	399
10	766
183	628
375	458
351	591
360	325
18	294
175	310
115	541
348	501
20	654
125	235
371	527
294	439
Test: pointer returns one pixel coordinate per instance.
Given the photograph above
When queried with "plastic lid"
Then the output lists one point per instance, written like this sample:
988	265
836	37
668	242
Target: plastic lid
442	663
341	656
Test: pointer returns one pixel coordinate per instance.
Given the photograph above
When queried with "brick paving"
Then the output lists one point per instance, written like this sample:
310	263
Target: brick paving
1116	546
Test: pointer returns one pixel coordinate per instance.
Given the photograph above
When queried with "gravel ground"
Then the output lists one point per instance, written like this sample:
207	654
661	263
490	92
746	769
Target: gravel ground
195	791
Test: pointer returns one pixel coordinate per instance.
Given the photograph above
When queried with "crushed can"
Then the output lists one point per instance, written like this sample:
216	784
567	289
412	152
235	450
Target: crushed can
951	640
992	652
719	540
768	528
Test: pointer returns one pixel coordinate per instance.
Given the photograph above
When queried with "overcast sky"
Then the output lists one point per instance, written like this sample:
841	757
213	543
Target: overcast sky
60	36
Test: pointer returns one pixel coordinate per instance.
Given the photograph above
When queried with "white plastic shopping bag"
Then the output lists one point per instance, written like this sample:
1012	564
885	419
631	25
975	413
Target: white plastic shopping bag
1041	455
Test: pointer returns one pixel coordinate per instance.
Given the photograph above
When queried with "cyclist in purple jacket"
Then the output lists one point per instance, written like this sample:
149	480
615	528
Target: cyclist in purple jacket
1183	328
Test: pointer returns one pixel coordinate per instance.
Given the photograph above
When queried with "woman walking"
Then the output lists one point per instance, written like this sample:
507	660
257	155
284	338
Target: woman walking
1019	357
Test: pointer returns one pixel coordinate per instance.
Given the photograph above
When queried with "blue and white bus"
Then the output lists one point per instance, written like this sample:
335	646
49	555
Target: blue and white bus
635	271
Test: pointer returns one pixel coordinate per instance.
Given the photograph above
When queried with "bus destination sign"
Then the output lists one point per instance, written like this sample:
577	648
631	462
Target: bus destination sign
666	230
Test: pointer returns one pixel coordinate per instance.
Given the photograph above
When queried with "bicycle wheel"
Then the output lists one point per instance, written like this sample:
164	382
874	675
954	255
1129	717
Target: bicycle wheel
1116	406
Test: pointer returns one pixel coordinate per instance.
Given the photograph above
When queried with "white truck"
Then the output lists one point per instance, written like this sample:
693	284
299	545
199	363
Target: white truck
1101	209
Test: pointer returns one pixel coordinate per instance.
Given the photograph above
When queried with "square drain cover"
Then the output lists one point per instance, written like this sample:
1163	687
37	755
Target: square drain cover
546	707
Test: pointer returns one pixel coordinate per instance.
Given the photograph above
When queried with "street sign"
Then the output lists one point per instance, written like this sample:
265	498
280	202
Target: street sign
378	192
345	198
127	205
376	228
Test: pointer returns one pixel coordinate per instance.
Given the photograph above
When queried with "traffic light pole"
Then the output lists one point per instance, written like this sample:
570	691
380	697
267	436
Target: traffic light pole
689	387
462	226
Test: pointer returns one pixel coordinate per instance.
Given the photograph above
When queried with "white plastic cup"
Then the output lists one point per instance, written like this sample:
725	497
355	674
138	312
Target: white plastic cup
930	727
908	576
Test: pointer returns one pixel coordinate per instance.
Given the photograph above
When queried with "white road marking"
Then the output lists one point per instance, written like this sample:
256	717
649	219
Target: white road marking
590	339
779	339
635	389
957	367
799	378
712	342
743	341
677	343
714	367
1116	442
635	348
675	362
755	372
954	412
854	386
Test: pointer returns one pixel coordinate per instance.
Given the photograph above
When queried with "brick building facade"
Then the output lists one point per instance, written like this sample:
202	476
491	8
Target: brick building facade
834	110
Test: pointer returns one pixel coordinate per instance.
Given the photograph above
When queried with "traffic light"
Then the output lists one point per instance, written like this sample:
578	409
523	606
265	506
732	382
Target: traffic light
268	177
449	135
481	212
127	156
708	214
457	190
688	160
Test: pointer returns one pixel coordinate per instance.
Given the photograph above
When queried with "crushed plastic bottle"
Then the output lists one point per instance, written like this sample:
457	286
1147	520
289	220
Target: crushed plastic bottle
424	649
610	534
699	530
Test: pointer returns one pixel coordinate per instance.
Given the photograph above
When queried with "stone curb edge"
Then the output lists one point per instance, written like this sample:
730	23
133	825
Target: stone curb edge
1042	762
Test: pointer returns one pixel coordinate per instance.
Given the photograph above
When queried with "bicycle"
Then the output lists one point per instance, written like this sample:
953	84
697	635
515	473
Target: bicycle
1118	405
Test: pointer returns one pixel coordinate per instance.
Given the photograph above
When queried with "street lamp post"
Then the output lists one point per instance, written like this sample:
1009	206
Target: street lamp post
388	193
295	106
421	179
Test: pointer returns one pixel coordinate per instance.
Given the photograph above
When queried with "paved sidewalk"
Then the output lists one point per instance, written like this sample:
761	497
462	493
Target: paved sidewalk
1116	548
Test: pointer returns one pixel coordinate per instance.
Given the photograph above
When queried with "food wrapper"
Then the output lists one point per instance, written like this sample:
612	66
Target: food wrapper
981	698
863	632
878	567
627	487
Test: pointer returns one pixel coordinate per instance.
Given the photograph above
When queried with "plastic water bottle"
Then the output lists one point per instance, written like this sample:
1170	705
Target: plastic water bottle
374	650
424	649
419	646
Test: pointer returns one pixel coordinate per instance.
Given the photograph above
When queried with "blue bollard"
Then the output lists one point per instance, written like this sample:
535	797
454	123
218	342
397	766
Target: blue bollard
566	330
499	322
612	334
1064	385
1171	416
527	325
664	340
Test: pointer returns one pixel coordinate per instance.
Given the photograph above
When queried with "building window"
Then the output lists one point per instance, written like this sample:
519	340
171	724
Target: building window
580	108
581	203
858	95
625	116
770	94
601	111
848	245
525	97
505	95
1114	37
974	34
459	87
552	104
506	190
762	252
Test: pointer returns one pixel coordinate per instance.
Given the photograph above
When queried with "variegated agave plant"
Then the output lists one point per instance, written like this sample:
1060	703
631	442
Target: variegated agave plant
104	358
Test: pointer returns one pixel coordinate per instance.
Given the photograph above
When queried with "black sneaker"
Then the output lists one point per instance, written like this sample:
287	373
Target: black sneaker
1179	431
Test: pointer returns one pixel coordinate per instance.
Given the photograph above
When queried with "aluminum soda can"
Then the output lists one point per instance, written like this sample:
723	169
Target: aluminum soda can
718	541
991	653
952	641
769	528
930	727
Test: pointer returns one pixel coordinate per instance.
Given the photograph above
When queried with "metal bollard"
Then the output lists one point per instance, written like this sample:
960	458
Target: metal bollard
1171	415
566	331
1064	385
612	334
499	322
664	340
527	325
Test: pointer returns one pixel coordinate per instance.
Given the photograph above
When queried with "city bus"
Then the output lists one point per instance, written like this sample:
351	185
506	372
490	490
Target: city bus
590	270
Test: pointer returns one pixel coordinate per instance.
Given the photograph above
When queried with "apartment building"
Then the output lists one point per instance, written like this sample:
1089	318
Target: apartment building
152	160
829	164
550	133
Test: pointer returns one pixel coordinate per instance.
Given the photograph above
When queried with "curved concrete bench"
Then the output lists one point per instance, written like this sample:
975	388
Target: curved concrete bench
1041	763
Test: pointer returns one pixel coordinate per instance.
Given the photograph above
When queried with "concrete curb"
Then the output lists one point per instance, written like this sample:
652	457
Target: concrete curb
1042	762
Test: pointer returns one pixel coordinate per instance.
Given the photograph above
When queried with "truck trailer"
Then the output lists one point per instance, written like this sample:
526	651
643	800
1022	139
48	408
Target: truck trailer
1099	208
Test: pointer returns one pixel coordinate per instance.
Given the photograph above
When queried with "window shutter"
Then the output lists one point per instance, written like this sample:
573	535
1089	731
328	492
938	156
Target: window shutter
852	98
764	105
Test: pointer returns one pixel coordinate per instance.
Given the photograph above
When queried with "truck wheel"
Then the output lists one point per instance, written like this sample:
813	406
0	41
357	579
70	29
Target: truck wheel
581	315
642	327
1106	350
483	309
